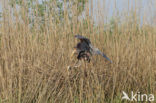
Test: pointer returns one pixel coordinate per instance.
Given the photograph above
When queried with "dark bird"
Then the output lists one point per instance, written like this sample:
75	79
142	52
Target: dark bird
85	50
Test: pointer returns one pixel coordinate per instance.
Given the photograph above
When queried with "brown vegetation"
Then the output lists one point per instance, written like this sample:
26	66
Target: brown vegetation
33	62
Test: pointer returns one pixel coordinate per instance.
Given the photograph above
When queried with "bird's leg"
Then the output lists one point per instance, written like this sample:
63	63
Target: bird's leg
77	64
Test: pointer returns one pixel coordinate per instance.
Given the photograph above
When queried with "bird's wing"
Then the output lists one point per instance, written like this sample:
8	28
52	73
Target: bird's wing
100	53
83	39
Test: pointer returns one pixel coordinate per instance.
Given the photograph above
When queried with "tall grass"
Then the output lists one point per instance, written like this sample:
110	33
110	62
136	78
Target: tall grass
34	60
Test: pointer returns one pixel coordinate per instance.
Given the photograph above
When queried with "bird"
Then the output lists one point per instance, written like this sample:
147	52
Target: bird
84	49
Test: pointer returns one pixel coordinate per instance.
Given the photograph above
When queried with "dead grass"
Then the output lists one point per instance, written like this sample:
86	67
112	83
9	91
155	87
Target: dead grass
33	64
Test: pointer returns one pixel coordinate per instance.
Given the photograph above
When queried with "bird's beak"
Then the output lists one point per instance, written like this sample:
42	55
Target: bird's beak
74	51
